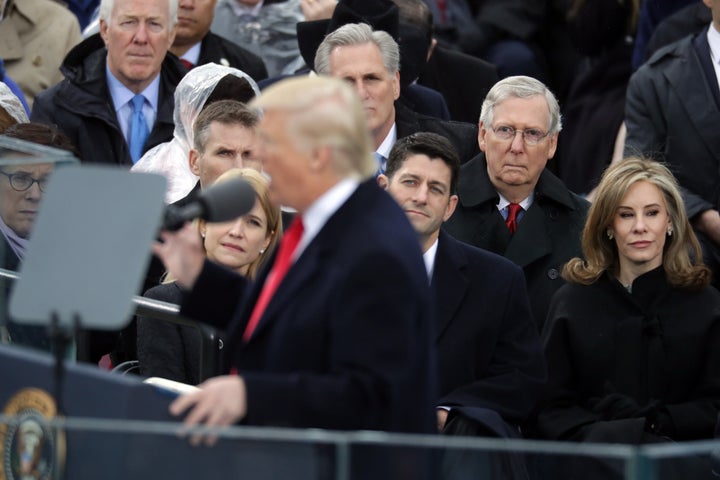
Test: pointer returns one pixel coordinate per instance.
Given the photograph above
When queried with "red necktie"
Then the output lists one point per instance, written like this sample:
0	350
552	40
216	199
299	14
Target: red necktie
442	6
282	264
511	220
187	64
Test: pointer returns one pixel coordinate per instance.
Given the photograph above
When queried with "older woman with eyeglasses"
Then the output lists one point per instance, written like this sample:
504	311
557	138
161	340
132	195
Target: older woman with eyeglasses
21	189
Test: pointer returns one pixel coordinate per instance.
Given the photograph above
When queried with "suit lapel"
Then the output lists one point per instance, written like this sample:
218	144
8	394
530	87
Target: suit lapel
449	281
299	274
689	76
532	239
311	260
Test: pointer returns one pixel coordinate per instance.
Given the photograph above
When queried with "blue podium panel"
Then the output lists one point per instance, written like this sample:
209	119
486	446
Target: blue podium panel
146	448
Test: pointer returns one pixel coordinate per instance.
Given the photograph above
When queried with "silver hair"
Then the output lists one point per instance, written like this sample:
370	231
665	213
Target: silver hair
358	34
521	87
106	7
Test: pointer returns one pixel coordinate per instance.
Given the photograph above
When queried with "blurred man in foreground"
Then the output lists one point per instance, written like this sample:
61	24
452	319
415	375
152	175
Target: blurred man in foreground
335	333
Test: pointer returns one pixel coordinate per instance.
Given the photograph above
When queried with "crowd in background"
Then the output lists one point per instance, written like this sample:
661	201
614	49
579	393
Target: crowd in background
557	159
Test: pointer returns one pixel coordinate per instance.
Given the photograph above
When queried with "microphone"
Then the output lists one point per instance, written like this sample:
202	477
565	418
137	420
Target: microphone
221	202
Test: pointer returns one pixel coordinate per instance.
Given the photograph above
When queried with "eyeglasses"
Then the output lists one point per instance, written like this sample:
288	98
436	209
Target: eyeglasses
531	136
21	181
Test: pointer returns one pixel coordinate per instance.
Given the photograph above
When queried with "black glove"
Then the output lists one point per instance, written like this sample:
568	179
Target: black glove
659	422
617	406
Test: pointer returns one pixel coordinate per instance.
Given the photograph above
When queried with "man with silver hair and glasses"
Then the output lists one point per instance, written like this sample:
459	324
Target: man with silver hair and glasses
116	101
509	203
370	61
335	332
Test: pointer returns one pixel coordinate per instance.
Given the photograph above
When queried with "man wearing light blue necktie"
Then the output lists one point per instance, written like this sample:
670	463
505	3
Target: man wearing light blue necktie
116	100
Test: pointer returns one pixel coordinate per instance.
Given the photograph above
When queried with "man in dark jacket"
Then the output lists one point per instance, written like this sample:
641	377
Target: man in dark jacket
94	105
491	364
195	44
672	111
370	61
510	203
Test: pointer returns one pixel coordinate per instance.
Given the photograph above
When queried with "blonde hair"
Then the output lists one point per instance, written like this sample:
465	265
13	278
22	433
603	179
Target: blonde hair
272	213
682	256
326	112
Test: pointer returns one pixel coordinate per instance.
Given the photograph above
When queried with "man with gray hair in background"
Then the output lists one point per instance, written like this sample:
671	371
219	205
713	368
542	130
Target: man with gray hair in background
116	100
370	61
509	203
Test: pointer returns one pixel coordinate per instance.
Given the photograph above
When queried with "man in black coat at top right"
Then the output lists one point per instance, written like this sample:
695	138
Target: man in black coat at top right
672	111
509	203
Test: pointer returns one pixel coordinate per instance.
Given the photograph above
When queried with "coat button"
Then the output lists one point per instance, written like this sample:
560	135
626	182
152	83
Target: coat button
553	274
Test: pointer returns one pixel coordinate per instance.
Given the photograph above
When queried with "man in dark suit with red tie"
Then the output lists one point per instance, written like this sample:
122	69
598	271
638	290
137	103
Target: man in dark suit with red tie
519	129
196	45
342	339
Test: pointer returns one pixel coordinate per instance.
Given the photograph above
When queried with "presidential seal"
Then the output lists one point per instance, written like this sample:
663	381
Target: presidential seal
29	448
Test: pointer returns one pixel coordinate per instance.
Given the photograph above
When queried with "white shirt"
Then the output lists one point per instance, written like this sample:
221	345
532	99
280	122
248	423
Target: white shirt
429	259
504	202
317	215
193	53
122	101
713	37
387	144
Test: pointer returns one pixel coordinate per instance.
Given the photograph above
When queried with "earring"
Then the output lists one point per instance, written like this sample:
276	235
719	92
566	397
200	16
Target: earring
670	230
202	234
610	234
262	250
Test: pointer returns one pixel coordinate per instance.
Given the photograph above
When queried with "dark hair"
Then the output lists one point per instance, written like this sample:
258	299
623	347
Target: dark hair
231	87
227	112
42	134
424	143
417	14
6	120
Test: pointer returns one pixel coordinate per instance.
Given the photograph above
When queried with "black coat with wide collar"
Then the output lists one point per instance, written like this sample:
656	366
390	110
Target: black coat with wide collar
657	344
489	352
548	235
82	108
463	136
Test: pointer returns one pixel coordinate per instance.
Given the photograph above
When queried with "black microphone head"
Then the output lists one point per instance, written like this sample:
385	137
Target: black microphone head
227	200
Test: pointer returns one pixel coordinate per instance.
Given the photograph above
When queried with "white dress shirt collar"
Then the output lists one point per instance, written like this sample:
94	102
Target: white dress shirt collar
193	53
121	96
429	259
387	144
713	37
317	215
525	204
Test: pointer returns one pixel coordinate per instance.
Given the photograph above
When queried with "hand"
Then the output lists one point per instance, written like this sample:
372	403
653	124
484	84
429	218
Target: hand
442	416
317	9
182	253
220	402
617	406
